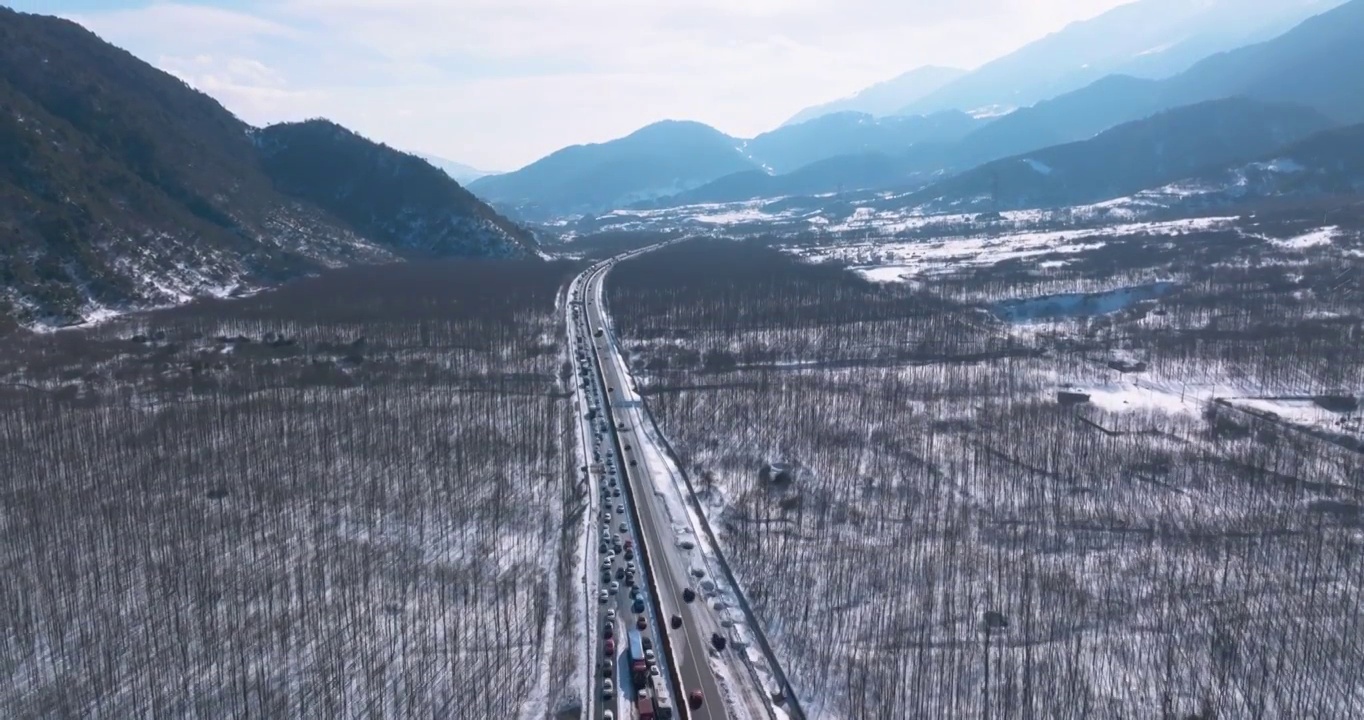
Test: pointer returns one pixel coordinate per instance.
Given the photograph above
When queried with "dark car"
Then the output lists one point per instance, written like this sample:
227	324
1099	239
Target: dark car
638	607
688	595
694	699
718	641
642	623
676	622
610	647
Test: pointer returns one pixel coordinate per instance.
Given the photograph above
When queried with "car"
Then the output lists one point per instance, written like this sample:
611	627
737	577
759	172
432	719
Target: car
698	572
717	641
620	508
616	492
630	566
642	623
608	715
614	587
608	689
607	517
647	642
687	545
623	528
620	573
629	554
602	599
609	630
638	605
654	671
606	665
610	613
695	699
629	543
633	463
676	621
610	647
650	657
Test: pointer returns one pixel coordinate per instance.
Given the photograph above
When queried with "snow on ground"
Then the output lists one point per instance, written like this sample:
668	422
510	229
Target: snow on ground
1324	236
889	261
1040	168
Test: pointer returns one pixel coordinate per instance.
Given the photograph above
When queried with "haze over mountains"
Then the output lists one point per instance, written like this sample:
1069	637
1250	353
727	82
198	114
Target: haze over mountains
885	98
1307	64
122	187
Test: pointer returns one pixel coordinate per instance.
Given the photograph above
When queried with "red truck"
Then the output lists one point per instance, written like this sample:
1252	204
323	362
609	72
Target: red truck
645	708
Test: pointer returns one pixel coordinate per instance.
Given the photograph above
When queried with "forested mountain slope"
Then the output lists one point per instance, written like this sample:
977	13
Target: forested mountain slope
120	186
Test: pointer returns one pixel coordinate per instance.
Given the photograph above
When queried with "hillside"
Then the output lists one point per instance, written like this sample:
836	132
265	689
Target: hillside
658	160
884	98
1327	163
1137	155
399	200
122	187
1150	39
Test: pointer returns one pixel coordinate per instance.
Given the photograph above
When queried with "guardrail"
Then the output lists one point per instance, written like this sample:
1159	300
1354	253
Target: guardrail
792	701
680	706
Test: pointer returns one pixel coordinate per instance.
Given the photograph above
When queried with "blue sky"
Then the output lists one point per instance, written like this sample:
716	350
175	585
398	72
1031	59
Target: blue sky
499	83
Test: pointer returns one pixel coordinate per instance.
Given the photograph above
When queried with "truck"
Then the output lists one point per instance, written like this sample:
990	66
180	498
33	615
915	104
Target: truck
639	669
663	704
645	708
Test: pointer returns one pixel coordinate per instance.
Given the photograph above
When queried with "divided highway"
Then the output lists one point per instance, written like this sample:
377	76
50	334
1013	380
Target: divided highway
687	648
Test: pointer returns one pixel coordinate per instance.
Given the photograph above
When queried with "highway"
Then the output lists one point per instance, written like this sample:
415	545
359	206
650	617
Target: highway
671	565
609	529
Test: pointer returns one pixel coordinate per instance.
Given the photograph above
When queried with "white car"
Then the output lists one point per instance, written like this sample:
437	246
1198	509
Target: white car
603	597
610	613
615	587
608	689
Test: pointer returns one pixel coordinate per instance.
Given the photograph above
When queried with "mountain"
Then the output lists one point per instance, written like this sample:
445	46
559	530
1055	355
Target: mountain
661	163
794	146
885	98
1327	163
658	160
1302	66
843	173
461	173
1131	157
1150	39
122	187
396	199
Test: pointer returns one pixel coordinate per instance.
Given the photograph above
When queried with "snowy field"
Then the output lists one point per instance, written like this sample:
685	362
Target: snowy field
1141	504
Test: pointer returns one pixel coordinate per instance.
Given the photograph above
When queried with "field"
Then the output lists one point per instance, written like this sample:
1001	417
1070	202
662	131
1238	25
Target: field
1118	476
351	497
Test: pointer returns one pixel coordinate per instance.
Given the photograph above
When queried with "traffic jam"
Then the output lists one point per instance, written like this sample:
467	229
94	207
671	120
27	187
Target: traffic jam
629	660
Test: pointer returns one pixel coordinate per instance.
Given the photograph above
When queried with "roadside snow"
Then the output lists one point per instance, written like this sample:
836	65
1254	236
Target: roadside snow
1039	167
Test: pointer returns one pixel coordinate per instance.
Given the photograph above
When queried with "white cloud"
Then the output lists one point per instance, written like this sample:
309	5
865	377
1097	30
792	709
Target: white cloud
498	83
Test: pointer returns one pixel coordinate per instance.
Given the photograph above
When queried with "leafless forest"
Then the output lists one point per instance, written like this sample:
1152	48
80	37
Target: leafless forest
961	539
349	498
